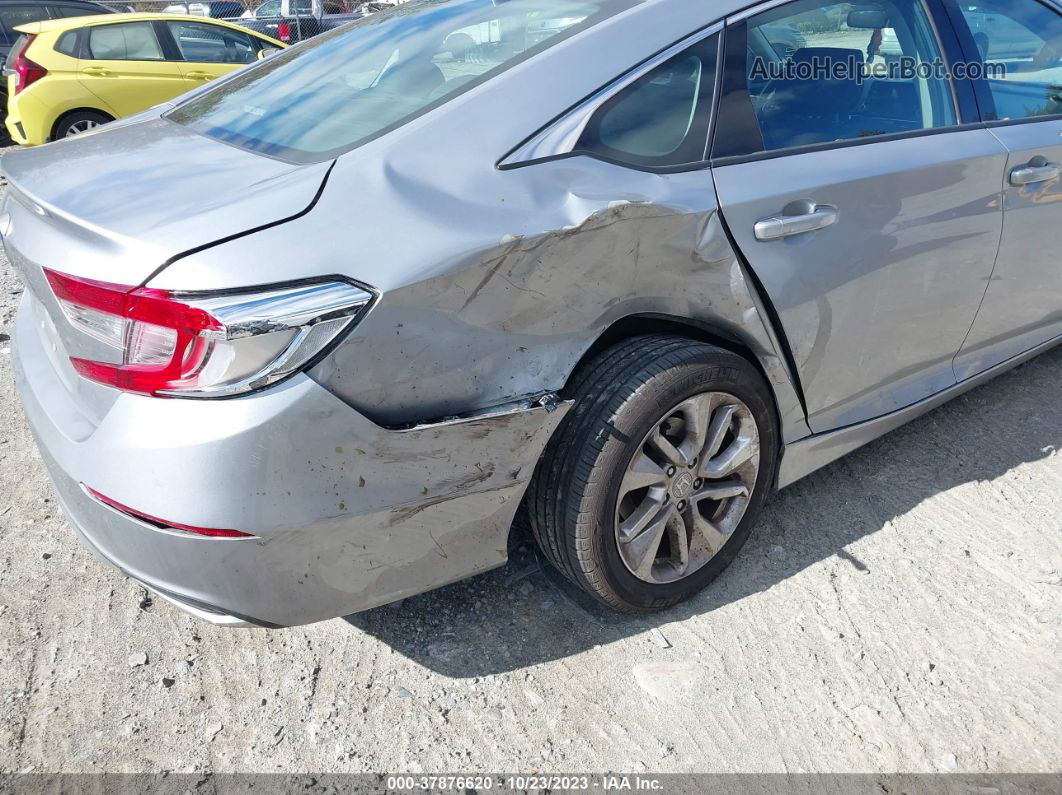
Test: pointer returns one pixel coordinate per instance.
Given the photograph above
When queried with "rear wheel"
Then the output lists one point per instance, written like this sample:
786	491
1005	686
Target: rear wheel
78	122
652	484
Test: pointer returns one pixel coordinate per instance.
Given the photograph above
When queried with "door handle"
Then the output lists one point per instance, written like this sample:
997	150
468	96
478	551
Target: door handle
797	218
1037	170
96	71
199	75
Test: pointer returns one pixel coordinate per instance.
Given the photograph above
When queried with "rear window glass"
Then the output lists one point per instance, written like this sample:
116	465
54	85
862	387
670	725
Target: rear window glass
78	11
349	86
13	16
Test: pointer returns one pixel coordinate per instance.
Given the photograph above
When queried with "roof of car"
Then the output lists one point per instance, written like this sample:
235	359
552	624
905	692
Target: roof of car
86	3
72	23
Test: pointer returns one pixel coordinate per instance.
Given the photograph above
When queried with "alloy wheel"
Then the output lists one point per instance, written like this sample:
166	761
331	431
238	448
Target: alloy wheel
79	127
686	487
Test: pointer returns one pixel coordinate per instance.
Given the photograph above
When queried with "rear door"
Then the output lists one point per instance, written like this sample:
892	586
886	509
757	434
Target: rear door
208	51
1020	42
124	65
865	198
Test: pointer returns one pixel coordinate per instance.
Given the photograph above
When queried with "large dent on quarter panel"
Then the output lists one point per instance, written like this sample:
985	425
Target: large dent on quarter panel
513	318
493	287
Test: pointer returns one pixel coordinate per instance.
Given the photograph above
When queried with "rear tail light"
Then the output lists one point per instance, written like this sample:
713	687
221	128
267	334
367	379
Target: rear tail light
163	524
172	344
284	32
26	71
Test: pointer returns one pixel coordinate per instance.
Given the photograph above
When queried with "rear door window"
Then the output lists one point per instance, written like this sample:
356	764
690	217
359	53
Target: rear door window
125	41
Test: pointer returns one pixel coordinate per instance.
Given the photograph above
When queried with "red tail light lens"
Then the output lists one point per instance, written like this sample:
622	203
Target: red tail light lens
284	32
205	344
163	340
163	523
26	71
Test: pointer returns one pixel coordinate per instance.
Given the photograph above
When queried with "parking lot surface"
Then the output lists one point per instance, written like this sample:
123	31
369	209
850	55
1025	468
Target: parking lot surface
897	611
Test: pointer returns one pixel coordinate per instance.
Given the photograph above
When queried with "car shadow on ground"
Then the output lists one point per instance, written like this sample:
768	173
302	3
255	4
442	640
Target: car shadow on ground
525	613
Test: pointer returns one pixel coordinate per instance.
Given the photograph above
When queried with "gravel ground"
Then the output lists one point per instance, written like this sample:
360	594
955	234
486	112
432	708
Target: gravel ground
897	611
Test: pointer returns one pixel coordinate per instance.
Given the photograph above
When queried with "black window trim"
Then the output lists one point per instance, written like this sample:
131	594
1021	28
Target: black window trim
167	40
739	110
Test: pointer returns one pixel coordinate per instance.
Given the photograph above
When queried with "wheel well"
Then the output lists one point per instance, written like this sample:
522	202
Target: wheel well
638	325
634	326
65	114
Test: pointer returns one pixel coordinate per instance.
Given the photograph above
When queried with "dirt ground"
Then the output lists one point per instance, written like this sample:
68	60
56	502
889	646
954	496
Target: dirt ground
897	611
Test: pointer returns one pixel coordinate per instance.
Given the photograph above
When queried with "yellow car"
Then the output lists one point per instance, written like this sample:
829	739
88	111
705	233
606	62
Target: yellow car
66	76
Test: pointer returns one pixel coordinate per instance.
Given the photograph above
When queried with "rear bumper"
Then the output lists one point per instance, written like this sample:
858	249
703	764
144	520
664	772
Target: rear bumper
346	515
25	120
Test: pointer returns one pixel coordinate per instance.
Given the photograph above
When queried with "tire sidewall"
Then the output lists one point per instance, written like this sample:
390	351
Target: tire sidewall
707	372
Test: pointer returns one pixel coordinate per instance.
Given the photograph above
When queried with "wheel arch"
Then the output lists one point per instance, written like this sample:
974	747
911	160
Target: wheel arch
719	334
71	111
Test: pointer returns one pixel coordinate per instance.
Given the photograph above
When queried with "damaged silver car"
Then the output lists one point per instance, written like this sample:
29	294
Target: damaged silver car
305	340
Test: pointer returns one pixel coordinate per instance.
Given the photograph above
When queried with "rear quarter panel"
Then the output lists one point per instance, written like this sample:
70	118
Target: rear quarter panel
494	282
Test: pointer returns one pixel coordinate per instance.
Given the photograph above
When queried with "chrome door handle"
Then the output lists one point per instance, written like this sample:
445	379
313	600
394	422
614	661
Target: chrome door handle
796	219
1034	172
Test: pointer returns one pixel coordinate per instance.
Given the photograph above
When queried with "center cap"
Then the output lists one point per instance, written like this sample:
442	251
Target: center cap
682	485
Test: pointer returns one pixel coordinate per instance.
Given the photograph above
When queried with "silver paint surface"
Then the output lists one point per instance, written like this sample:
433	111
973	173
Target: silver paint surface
492	284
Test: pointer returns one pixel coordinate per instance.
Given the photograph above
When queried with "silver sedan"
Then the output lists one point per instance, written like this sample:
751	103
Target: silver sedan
305	340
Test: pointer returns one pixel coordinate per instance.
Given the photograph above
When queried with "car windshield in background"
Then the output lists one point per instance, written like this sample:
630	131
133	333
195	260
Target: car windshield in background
347	87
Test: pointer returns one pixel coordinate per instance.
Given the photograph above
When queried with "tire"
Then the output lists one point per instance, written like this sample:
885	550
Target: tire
69	124
625	399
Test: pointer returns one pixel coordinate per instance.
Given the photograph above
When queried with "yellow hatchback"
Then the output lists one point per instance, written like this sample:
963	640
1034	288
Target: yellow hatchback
66	76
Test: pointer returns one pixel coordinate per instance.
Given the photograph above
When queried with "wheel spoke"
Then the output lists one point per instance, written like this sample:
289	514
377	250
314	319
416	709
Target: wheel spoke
660	443
635	524
739	452
643	472
697	413
678	535
720	490
642	549
721	421
709	533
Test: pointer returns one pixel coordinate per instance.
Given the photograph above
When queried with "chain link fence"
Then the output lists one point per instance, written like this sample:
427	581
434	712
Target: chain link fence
288	21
